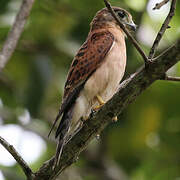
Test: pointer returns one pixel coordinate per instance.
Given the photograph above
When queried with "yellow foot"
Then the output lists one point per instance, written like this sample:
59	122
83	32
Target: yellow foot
97	107
114	119
100	101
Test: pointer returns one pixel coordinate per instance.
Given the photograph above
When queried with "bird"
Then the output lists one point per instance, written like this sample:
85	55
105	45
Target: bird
95	73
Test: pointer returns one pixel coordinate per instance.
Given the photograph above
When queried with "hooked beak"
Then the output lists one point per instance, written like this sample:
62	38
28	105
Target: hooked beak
131	26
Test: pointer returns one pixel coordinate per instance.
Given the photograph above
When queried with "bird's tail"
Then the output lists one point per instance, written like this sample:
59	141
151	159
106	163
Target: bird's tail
62	132
58	152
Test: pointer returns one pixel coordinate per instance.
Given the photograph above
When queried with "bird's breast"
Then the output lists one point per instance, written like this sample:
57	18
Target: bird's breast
115	64
105	80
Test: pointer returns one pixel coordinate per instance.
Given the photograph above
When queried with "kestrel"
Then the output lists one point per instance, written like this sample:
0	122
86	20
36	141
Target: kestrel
95	72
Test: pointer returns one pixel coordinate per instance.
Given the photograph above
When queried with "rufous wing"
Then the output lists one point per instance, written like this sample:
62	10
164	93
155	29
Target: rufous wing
89	57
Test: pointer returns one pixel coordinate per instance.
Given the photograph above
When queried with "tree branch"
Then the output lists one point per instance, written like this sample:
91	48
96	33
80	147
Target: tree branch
162	54
15	32
28	172
162	30
170	78
130	89
159	5
134	42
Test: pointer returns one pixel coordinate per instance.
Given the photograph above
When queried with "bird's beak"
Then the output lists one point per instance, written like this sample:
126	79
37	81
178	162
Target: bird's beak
131	26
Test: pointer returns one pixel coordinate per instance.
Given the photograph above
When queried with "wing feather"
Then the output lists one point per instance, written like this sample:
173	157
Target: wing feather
88	59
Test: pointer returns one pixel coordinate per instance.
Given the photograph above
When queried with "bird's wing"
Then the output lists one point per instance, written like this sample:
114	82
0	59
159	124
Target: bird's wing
89	57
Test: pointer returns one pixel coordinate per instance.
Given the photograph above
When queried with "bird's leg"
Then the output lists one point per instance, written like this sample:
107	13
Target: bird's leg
100	101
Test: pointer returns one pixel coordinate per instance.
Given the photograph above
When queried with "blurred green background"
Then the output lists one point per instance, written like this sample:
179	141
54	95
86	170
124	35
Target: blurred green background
143	145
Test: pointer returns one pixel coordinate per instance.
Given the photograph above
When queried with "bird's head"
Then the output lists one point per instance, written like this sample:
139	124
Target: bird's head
104	18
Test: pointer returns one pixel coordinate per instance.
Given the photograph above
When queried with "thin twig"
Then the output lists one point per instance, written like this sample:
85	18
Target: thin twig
164	26
159	56
171	78
159	5
15	32
135	43
17	157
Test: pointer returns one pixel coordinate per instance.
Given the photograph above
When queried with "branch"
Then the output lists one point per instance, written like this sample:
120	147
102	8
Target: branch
15	32
170	78
162	30
17	157
159	5
162	54
134	42
130	89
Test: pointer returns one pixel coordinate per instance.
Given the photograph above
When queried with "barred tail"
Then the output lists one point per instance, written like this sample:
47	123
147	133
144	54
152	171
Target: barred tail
61	132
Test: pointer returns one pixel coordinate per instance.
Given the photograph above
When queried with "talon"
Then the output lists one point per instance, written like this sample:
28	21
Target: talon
100	100
97	107
114	119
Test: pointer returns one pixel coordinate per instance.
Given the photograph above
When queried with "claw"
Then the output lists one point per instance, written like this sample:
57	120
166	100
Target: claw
100	101
97	107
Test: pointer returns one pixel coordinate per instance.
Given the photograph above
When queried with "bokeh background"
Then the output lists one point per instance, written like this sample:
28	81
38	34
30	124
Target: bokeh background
143	145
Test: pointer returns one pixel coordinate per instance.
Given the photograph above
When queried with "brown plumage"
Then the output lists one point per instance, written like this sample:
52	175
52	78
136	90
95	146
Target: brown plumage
95	72
88	59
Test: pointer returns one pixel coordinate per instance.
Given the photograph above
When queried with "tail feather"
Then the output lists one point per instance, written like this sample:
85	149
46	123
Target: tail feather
67	103
58	152
57	117
61	132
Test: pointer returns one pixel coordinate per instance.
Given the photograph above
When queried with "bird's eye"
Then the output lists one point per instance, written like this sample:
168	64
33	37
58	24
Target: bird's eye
121	14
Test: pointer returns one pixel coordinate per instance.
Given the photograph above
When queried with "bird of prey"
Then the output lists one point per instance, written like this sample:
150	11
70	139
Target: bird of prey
95	72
